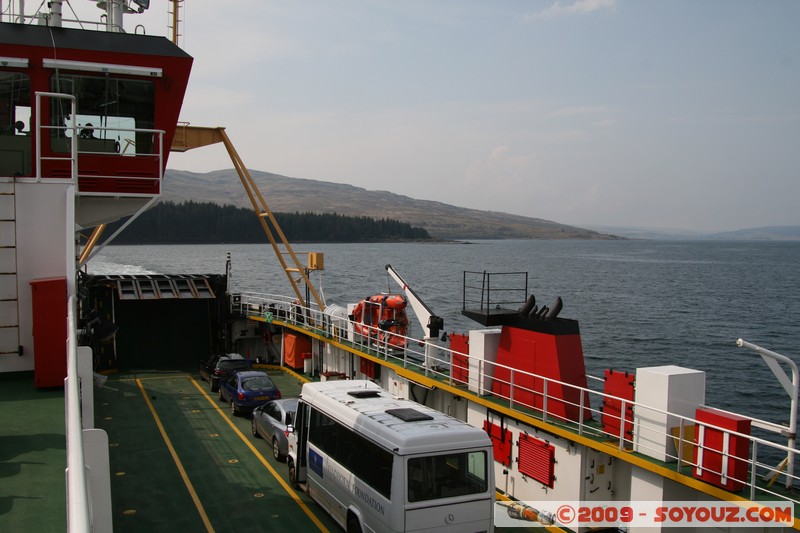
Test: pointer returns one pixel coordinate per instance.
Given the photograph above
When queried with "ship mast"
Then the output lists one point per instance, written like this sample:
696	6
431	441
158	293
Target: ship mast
55	12
175	14
116	9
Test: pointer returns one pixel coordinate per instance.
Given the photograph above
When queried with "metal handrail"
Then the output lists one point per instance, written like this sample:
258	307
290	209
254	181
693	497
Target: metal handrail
77	490
74	152
486	289
253	305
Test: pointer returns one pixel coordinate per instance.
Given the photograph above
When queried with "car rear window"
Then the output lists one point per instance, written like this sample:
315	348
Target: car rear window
257	383
230	365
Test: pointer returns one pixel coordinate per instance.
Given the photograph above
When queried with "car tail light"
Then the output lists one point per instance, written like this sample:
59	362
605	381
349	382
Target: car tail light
286	432
278	395
242	397
217	372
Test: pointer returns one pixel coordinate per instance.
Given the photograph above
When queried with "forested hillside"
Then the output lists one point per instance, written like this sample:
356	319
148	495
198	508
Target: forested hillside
440	220
194	222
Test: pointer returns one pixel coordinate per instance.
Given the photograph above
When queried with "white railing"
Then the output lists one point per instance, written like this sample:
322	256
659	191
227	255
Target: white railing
78	513
73	151
540	404
73	142
17	15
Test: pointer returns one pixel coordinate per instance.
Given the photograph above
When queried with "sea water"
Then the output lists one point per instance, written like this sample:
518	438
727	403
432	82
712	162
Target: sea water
638	303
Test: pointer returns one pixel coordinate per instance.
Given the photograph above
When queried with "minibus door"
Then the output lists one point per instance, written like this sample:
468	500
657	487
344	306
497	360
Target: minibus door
301	432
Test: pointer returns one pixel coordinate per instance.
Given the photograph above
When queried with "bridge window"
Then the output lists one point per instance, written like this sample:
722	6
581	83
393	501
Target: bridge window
110	112
15	127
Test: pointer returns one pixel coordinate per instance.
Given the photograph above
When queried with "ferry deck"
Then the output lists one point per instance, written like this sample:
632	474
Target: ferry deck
179	460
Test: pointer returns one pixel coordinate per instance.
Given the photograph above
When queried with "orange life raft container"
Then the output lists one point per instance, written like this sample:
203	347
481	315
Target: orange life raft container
382	317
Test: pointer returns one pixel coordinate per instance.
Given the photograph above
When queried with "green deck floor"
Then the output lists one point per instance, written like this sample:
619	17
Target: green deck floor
223	479
32	456
204	472
227	480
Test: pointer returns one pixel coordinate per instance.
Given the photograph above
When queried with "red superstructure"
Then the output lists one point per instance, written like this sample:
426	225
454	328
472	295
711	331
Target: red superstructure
554	355
539	360
87	119
128	90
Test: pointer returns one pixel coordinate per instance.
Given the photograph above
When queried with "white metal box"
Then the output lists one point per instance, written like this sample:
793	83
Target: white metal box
672	389
483	344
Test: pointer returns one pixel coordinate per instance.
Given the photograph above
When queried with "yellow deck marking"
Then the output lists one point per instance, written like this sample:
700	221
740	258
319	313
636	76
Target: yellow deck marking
189	486
151	378
261	458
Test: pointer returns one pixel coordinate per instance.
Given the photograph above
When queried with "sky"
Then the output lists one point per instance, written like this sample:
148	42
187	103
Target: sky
625	113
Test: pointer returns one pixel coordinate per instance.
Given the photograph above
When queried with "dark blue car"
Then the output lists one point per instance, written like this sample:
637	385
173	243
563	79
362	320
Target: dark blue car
246	390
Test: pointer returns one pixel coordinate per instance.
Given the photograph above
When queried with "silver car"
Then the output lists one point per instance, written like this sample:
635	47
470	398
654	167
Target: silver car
270	421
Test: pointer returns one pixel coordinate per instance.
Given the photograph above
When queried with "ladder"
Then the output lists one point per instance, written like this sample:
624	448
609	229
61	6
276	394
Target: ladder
9	309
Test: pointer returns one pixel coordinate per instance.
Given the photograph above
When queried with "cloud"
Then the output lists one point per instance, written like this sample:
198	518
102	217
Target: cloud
582	110
505	170
499	152
579	7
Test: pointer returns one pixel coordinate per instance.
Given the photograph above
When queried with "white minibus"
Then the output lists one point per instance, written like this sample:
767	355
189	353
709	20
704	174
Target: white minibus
377	462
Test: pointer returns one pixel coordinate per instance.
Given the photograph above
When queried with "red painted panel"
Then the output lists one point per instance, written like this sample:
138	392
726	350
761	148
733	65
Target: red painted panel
369	368
537	459
713	458
459	366
620	384
49	300
501	442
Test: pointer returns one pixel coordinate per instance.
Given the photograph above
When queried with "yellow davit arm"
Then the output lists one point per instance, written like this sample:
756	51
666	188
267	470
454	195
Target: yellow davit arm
188	137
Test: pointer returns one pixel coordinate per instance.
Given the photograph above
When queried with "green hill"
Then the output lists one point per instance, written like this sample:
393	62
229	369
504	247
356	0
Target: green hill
289	195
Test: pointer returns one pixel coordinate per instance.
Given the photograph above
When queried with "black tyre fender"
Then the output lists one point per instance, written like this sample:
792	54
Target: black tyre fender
353	524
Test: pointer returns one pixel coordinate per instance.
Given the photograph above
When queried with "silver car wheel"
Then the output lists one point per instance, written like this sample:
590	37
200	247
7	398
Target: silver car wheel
276	450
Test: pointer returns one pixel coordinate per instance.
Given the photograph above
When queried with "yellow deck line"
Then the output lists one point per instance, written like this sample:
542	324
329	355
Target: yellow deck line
261	458
184	476
151	378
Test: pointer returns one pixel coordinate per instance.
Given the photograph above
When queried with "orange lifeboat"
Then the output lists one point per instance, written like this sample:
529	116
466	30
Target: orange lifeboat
382	317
